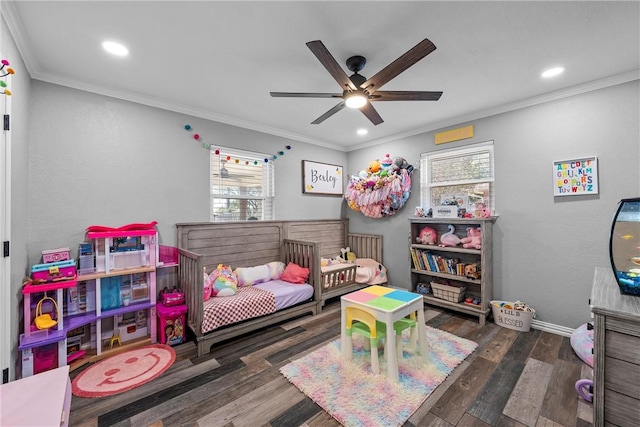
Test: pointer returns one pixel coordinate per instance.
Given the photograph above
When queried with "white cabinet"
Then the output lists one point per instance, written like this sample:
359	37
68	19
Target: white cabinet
453	265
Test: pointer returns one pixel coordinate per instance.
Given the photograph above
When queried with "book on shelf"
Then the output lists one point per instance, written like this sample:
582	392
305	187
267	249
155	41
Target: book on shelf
428	261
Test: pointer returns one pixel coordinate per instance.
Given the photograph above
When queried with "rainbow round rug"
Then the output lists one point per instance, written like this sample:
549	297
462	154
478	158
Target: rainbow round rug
124	371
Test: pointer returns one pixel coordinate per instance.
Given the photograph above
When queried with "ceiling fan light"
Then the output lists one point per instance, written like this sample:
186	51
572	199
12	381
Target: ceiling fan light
355	100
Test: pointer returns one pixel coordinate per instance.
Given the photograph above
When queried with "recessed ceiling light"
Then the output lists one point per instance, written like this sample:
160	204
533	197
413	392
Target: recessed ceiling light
552	72
362	131
115	48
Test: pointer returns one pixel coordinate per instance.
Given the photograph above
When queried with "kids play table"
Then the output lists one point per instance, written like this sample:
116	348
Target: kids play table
387	305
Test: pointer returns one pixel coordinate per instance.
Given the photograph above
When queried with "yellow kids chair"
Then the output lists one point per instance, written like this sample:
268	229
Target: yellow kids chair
115	338
365	325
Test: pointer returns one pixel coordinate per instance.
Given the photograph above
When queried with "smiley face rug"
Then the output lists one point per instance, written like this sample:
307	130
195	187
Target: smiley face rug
124	371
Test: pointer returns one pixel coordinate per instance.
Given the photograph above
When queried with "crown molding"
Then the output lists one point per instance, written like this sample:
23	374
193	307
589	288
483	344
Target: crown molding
505	108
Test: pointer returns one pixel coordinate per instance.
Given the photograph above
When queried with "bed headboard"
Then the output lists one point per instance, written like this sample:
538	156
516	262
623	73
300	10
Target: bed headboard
239	244
251	243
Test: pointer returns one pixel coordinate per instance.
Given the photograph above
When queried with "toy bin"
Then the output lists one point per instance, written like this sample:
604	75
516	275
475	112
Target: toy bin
171	324
54	271
506	315
56	255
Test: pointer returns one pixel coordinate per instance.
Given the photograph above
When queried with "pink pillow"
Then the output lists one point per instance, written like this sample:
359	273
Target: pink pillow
293	273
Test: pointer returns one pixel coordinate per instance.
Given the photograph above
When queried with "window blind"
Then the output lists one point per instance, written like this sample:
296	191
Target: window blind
242	186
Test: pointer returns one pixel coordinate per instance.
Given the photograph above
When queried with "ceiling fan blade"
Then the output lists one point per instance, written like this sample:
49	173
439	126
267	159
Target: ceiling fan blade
400	95
328	114
371	114
412	56
329	62
305	95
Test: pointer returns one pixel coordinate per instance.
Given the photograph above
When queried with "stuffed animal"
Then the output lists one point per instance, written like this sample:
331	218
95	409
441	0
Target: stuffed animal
400	163
224	282
346	256
374	166
471	271
386	162
449	238
473	239
427	236
482	211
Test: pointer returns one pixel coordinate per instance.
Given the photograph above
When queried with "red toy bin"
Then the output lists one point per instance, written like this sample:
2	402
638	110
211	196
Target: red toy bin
172	324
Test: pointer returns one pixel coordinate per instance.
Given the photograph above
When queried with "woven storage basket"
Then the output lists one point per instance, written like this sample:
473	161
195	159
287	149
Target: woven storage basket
448	293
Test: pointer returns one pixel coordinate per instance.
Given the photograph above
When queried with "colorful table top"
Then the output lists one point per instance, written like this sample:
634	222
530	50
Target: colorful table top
381	297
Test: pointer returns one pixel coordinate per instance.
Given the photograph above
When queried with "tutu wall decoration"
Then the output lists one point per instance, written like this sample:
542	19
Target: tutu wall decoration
382	189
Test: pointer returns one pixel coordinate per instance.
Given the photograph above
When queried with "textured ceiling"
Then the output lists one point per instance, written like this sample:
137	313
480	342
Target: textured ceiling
219	60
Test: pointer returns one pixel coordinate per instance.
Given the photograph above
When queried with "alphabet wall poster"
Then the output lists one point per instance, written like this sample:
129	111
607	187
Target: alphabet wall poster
576	177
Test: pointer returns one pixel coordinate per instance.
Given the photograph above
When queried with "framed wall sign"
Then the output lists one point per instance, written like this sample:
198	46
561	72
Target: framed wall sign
576	177
321	178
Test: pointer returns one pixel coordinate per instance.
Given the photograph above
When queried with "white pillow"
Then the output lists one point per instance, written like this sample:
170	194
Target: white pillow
248	276
275	269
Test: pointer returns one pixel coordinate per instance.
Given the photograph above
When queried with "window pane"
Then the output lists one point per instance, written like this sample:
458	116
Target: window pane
236	210
464	168
241	186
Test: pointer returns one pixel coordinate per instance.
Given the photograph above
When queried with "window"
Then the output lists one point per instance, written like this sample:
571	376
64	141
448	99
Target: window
242	186
462	176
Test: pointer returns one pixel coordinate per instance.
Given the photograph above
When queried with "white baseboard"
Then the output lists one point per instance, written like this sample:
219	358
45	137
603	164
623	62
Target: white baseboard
551	328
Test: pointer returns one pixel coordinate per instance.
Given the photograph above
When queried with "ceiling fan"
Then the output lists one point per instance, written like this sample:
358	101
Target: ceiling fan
360	92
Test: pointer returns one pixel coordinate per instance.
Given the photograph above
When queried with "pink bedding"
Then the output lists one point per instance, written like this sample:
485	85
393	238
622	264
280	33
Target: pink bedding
368	271
252	301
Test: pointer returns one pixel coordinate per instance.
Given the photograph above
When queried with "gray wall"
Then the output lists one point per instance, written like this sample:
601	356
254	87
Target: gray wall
100	160
545	248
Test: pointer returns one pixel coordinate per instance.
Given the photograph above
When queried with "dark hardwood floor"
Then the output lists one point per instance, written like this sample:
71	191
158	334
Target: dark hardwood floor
512	379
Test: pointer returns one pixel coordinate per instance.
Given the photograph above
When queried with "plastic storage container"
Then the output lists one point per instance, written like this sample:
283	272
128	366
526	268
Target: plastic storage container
171	324
54	271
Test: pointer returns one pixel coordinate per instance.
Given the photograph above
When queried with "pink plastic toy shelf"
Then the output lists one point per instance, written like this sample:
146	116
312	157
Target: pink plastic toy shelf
119	233
32	287
167	256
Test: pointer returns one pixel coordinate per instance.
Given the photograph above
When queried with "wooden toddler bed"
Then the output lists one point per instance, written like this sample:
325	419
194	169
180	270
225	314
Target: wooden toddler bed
253	243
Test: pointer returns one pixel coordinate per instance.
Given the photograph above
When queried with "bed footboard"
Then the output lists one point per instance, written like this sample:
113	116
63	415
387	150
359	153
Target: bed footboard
366	245
191	281
305	254
342	281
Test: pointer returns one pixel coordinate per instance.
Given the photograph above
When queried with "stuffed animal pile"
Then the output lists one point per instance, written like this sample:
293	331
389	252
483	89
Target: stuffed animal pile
382	189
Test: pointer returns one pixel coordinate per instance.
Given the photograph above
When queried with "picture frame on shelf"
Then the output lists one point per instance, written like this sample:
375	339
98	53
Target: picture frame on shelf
322	178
